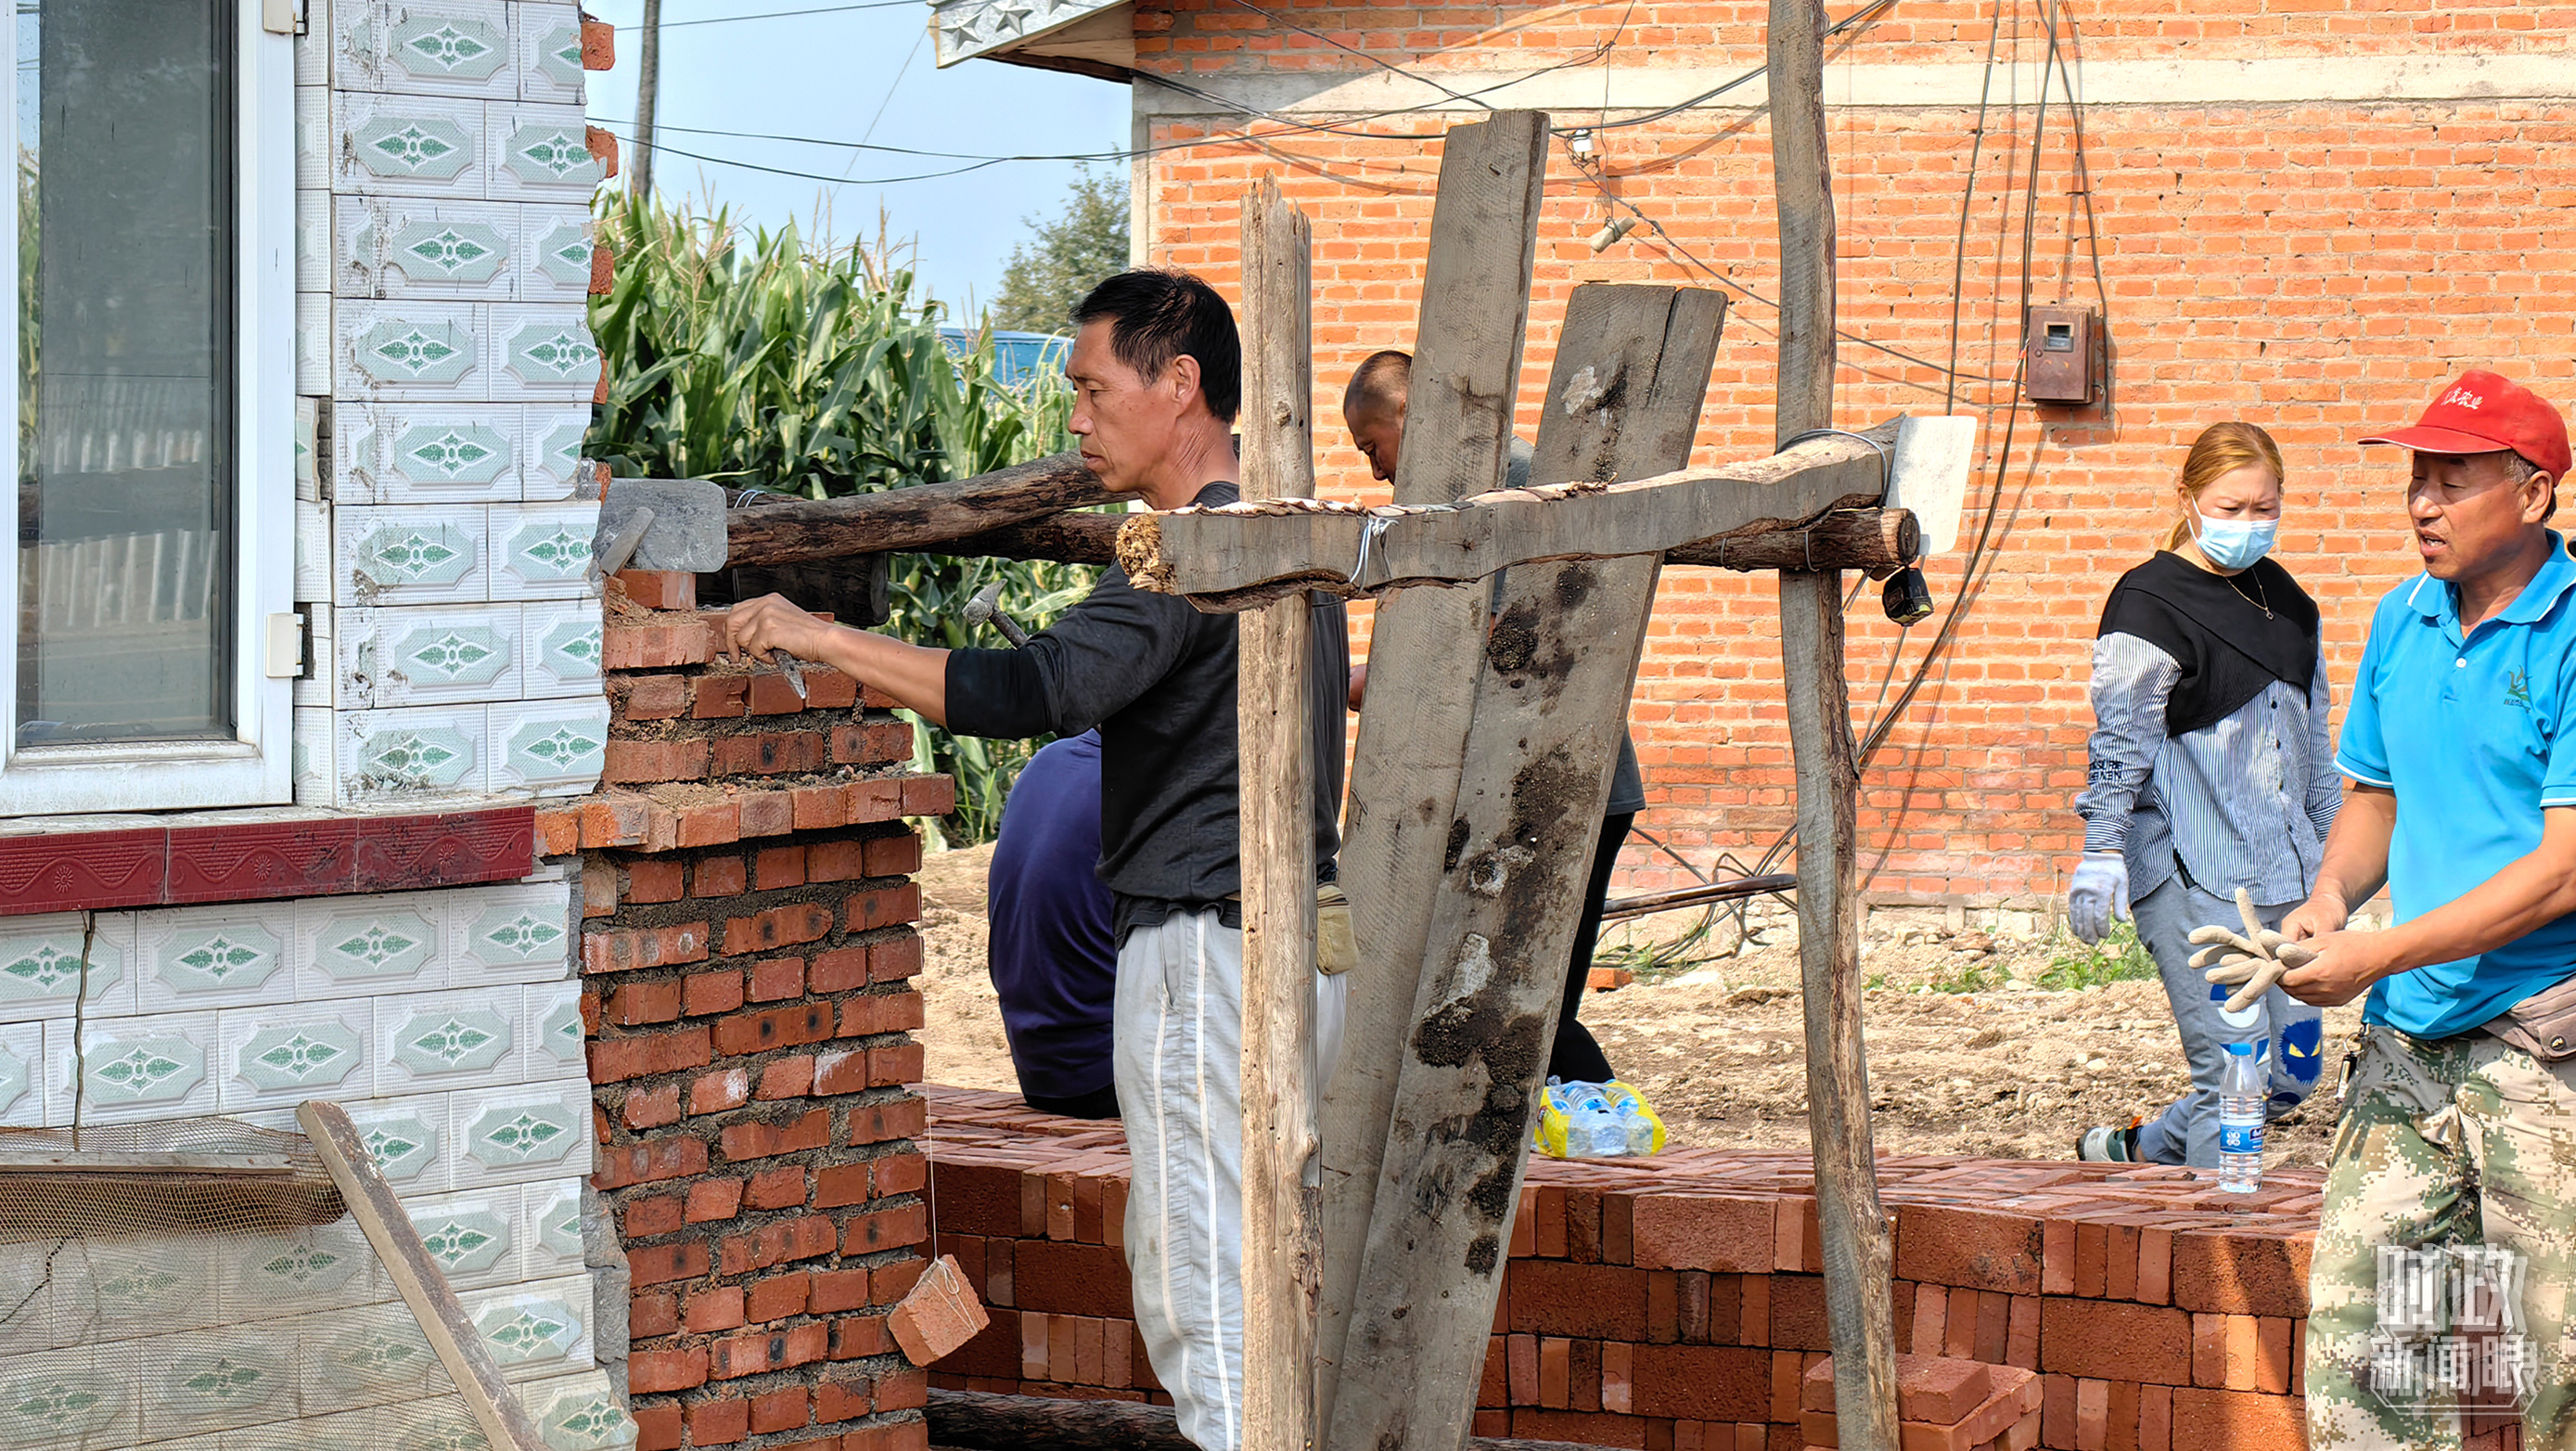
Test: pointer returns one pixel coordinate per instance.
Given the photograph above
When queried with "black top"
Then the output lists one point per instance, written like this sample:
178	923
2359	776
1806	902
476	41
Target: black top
1157	677
2216	628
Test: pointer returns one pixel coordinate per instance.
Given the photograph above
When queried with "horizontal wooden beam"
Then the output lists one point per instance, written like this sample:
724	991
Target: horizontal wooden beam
798	530
1078	537
1877	542
1230	558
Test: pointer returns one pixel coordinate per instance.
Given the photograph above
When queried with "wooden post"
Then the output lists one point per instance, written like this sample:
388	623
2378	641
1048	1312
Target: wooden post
1624	399
1413	738
1859	1294
1282	1213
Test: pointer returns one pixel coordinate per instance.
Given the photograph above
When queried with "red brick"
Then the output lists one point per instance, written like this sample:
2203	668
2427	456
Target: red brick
829	689
895	959
718	1308
1981	1249
752	1354
1600	1302
891	1283
905	1117
652	1108
2209	1350
843	1072
789	1077
622	1165
2237	1272
662	1263
893	856
780	1410
1701	1382
1703	1232
647	761
777	1297
779	1188
929	796
903	1390
881	799
598	889
713	1199
758	1140
820	808
768	813
788	1027
652	588
639	947
2212	1420
905	1173
558	832
772	695
894	1228
712	823
841	1400
787	1240
658	1427
836	861
778	979
645	1218
665	1370
855	1337
719	1422
838	1185
719	697
633	1004
773	867
837	1290
652	880
723	1089
777	927
1060	1278
2109	1340
653	1314
720	876
874	743
2273	1337
615	1060
767	753
711	992
838	970
892	1067
656	646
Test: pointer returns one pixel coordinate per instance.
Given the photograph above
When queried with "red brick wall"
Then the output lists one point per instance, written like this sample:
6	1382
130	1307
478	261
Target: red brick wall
748	954
2315	267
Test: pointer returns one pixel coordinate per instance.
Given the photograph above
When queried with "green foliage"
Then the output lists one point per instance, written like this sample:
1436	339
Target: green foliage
762	361
1064	257
2120	957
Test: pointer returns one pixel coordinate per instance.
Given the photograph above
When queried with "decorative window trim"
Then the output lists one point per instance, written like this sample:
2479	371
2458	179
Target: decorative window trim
256	767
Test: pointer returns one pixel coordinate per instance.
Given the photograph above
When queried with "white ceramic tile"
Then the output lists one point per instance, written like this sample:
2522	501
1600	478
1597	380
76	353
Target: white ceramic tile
513	1135
551	448
542	351
270	1277
312	136
308	454
451	1042
549	45
557	1042
312	240
446	48
133	1288
421	752
431	655
313	47
541	551
22	1092
475	1237
521	933
200	1382
132	1070
415	554
319	685
579	1413
409	1139
535	1330
285	1053
313	342
41	965
412	350
235	954
538	153
560	645
360	1357
313	757
314	550
402	247
426	453
550	747
554	249
551	1232
364	946
78	1396
385	145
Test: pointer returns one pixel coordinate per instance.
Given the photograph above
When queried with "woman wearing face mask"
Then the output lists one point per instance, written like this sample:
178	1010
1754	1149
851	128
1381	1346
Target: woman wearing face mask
2211	769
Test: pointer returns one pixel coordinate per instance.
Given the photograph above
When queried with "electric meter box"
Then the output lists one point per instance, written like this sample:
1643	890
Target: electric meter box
2060	348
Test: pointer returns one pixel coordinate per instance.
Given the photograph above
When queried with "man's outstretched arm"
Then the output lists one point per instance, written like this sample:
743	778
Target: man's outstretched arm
915	675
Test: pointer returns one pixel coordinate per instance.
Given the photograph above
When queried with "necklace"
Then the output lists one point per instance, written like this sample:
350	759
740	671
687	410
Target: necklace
2264	603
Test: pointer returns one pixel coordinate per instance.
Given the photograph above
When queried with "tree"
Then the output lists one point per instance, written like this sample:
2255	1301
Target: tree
1064	257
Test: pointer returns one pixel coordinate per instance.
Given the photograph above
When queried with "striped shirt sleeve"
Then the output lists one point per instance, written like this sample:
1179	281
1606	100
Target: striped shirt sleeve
2131	682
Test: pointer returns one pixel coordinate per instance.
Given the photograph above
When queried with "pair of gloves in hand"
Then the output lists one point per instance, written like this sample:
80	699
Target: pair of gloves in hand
2251	962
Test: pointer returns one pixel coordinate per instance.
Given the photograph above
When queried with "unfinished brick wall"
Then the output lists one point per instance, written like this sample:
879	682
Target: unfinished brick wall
1673	1304
747	958
2316	266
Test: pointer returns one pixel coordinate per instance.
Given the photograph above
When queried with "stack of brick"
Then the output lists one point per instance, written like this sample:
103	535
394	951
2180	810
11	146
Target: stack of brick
747	958
1677	1303
1942	1404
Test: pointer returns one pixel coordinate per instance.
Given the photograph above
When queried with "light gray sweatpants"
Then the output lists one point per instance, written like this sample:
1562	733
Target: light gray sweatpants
2187	1131
1178	1062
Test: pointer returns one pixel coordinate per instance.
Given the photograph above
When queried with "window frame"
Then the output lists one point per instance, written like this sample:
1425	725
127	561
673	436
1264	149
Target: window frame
255	768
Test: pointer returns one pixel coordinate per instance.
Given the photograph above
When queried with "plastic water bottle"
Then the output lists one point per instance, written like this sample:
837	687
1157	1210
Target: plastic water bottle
1593	1125
2241	1094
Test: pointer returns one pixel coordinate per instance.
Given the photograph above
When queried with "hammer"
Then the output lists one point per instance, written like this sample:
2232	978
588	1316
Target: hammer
981	609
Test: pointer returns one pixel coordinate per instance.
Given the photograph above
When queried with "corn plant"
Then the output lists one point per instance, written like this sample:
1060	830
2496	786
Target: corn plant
761	360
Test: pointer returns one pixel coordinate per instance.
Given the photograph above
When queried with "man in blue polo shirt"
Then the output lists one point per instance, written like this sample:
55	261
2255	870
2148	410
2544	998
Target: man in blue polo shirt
2454	1170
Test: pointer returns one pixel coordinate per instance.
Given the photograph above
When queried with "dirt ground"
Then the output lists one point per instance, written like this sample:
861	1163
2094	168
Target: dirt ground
1711	1032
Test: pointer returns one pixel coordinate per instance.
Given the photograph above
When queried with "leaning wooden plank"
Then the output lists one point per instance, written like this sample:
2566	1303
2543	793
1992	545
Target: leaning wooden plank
1404	770
1281	1213
1852	1229
417	1277
1237	553
1631	373
892	519
983	1421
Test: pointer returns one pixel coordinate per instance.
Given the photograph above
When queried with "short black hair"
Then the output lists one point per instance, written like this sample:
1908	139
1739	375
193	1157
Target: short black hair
1383	378
1157	314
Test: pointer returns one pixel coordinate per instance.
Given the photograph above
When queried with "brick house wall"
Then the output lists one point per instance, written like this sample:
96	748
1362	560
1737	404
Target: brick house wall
2305	216
747	962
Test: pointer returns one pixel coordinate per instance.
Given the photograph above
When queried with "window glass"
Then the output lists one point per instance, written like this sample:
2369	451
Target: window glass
125	370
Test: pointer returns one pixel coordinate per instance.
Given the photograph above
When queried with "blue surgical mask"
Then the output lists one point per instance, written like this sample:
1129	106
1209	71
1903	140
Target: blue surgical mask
2235	543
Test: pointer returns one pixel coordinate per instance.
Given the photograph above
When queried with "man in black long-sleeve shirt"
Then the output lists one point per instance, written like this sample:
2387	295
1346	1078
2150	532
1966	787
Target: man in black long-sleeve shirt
1156	368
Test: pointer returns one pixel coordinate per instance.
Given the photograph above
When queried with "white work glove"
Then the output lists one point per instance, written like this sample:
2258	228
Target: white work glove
2250	963
2099	893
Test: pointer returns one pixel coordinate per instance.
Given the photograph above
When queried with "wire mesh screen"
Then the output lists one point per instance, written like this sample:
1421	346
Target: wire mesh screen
199	1285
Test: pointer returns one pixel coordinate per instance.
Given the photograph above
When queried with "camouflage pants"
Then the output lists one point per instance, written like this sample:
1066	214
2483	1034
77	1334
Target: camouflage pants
2465	1146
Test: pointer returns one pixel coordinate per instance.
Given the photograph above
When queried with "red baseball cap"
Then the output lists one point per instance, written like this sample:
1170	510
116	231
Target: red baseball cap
2483	413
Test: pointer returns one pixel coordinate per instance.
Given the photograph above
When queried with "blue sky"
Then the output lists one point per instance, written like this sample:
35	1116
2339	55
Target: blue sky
827	76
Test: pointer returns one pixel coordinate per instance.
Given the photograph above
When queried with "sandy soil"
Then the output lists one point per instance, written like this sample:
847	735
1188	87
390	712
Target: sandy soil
1712	1035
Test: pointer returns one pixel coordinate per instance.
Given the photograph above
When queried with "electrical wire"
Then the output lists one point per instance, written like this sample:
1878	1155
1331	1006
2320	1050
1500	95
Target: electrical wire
782	14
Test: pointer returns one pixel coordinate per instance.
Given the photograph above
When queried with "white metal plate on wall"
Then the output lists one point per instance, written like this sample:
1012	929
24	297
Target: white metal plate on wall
1929	475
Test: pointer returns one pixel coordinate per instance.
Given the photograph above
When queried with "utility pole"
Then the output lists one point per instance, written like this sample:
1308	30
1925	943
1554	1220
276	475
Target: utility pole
648	83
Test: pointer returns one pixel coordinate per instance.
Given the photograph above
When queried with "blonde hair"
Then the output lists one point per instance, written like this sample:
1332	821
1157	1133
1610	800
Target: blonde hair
2222	449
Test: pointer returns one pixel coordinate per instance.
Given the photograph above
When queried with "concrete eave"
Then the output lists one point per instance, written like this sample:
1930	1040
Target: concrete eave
1083	36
